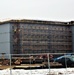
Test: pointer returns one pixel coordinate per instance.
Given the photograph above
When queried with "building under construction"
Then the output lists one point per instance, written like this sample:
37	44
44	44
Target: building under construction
36	36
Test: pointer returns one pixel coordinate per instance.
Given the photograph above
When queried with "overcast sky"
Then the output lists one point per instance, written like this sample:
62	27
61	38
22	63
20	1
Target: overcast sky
52	10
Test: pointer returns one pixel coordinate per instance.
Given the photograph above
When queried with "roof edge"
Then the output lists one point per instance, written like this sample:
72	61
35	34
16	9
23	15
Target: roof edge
37	21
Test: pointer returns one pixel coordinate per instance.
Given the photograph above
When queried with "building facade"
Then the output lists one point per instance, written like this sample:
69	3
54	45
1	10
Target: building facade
34	36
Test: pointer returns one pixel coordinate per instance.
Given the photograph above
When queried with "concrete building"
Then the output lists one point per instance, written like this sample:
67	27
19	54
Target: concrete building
35	36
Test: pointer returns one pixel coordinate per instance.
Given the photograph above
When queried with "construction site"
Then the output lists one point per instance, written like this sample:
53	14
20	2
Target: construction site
35	36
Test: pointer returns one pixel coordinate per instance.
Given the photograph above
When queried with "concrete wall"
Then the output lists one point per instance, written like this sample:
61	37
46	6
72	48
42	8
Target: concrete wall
5	38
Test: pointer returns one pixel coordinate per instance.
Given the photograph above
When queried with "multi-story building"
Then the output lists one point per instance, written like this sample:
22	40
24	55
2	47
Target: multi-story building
35	36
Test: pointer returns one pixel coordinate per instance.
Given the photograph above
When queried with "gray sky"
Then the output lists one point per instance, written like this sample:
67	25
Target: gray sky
52	10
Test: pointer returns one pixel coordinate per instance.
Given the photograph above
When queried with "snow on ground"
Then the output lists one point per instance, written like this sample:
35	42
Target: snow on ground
62	71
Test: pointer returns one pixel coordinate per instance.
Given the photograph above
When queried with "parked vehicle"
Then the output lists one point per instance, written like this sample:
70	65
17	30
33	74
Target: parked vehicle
66	60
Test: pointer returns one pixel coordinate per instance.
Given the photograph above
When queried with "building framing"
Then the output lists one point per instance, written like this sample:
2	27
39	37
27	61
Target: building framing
36	36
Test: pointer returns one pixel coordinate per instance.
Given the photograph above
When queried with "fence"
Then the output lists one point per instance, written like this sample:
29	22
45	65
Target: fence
36	61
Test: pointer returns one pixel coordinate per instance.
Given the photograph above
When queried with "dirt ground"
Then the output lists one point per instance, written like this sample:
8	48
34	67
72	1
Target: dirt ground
27	65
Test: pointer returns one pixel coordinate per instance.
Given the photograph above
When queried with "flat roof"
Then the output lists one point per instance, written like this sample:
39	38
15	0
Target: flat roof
38	22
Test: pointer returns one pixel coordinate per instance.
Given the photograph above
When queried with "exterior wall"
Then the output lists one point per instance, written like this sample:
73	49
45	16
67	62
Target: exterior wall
34	38
72	38
20	38
60	39
41	38
15	40
5	38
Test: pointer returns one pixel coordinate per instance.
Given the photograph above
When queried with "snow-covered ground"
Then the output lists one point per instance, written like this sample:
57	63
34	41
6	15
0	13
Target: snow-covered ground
62	71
